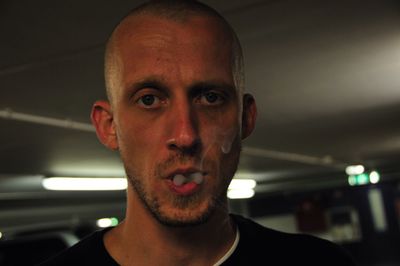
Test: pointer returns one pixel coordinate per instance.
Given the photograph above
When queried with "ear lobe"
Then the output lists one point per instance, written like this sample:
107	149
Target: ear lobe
103	121
249	115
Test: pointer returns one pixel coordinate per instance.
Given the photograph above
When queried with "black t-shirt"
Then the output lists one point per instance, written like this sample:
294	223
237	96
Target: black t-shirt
258	245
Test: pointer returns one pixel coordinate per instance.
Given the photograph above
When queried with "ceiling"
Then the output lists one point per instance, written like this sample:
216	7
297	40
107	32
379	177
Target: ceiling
325	75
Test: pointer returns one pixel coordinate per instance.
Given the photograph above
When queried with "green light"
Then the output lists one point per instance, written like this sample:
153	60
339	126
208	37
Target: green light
352	180
114	221
362	179
372	177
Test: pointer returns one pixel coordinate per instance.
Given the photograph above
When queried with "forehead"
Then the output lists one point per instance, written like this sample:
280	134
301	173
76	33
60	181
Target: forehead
198	43
193	28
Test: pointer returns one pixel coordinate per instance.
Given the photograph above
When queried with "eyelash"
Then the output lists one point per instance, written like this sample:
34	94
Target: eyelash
220	98
156	101
201	98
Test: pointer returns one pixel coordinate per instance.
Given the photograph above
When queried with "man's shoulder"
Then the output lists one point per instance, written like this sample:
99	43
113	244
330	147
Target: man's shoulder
257	240
88	251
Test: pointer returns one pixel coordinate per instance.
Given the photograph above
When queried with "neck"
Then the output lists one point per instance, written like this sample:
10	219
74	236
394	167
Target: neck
142	240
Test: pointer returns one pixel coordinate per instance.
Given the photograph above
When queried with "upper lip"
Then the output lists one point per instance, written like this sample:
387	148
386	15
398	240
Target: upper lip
183	171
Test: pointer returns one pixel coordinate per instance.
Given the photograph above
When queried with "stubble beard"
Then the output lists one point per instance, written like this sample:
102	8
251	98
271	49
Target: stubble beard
152	204
185	204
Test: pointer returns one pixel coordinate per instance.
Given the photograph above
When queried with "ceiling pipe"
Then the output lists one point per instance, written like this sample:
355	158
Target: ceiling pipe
326	161
48	121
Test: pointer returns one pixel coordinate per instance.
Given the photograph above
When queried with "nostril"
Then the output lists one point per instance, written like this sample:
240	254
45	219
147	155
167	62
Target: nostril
171	143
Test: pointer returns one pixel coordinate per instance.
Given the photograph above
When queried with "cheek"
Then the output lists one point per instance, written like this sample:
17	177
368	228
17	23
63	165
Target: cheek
137	152
221	152
136	132
135	141
221	135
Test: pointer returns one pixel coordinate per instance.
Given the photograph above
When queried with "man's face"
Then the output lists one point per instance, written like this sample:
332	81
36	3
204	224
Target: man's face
176	116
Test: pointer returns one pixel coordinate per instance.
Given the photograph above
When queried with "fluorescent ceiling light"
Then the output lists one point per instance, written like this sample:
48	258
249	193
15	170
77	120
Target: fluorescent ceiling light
107	222
355	169
241	188
242	184
238	188
240	193
84	183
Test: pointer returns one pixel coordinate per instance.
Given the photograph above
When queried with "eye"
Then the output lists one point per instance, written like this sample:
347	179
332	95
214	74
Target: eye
211	98
149	101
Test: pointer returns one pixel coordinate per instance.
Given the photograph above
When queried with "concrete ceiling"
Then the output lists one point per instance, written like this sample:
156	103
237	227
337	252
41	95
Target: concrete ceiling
325	75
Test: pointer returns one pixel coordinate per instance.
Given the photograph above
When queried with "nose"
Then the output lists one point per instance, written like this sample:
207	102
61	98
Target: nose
183	129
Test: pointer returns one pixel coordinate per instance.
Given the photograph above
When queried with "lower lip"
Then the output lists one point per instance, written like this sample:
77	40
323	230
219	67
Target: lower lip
185	189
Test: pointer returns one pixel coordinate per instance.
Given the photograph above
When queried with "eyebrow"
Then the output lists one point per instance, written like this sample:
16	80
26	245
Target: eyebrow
157	82
149	82
203	86
213	85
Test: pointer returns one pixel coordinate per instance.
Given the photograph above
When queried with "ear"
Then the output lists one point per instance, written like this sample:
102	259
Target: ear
249	115
103	121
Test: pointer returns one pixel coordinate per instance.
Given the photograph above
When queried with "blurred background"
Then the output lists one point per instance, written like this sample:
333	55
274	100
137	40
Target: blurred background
323	160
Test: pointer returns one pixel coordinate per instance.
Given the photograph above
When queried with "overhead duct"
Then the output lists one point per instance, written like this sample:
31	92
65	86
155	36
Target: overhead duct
43	120
293	157
270	154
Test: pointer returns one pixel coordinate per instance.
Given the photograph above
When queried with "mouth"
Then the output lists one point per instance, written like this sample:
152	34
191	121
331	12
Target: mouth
181	179
185	182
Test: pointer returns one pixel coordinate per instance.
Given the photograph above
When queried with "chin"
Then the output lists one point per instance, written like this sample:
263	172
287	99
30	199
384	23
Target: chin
176	216
174	210
183	221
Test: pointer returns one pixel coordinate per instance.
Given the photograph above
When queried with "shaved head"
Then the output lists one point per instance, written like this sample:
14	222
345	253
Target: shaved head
176	110
179	12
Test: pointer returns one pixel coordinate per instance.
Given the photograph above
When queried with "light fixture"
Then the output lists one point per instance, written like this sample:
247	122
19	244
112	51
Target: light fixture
240	193
242	184
374	177
84	183
238	188
107	222
352	180
241	188
355	169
